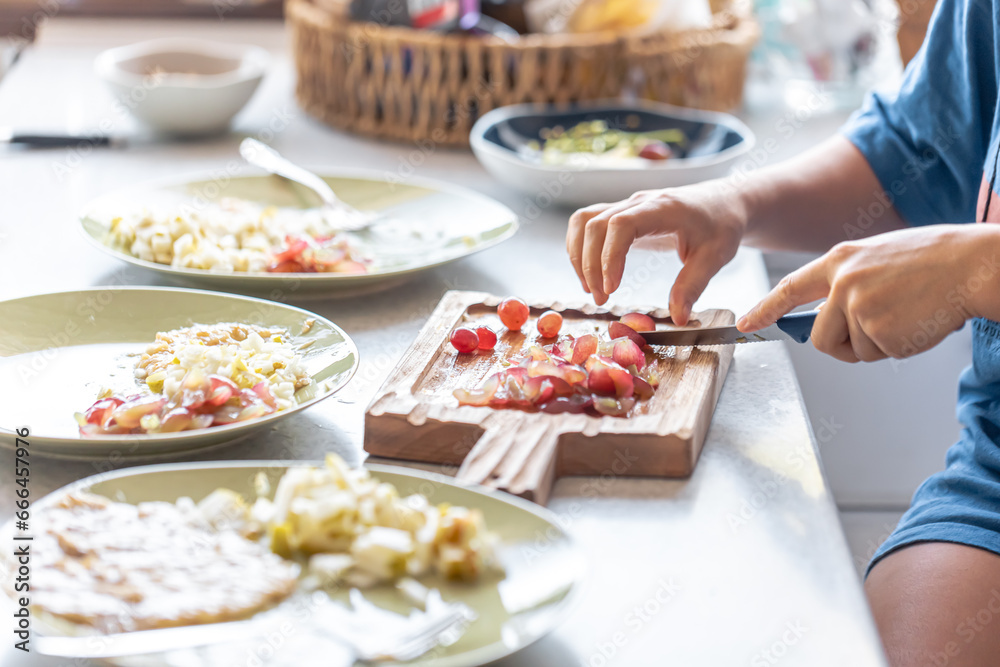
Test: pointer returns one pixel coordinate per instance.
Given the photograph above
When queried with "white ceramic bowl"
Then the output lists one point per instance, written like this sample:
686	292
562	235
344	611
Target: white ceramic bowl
499	139
182	86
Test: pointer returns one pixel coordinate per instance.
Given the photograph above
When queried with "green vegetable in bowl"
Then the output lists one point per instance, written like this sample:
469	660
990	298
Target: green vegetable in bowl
597	139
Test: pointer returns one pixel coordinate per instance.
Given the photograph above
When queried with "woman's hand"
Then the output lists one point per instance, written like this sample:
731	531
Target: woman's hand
892	295
706	222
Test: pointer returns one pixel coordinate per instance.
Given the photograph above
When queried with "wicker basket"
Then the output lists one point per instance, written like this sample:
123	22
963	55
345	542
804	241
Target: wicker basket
410	85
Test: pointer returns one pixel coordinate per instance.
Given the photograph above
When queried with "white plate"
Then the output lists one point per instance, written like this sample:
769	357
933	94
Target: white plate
58	350
543	567
425	224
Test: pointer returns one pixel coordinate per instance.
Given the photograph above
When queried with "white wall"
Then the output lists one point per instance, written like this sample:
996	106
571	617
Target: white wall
883	427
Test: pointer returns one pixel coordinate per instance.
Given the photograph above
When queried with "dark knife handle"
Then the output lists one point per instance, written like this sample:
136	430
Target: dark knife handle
798	325
59	140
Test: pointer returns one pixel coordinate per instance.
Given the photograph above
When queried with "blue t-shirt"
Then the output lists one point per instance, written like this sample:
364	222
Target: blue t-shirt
932	141
934	148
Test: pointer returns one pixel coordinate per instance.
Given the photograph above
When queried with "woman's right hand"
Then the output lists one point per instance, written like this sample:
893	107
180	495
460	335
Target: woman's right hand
705	222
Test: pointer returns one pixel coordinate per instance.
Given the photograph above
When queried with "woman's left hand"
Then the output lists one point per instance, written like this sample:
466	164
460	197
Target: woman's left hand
892	295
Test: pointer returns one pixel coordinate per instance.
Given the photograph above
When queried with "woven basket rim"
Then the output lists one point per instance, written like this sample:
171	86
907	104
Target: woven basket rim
733	19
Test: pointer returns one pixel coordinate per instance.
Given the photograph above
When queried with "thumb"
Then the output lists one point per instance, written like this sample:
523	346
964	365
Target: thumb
802	286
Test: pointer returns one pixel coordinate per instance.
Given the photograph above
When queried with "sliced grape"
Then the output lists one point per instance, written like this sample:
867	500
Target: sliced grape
481	395
350	266
612	407
642	388
178	419
264	393
576	404
626	353
583	347
222	390
128	414
609	379
617	330
564	348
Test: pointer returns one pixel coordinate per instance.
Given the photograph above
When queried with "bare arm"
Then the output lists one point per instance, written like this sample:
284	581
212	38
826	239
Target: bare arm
817	199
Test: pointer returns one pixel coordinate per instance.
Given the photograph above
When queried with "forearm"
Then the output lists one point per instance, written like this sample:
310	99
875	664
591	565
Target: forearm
976	289
813	201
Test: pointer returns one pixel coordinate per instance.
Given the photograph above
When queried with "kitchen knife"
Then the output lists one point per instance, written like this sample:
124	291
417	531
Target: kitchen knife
795	327
9	136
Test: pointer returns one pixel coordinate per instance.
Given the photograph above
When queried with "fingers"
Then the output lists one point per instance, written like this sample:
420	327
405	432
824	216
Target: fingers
585	242
623	230
807	284
831	334
691	282
593	246
865	349
576	234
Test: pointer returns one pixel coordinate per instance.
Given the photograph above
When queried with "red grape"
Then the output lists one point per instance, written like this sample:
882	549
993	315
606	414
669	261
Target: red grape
655	150
464	339
618	330
549	324
487	338
513	313
627	353
638	321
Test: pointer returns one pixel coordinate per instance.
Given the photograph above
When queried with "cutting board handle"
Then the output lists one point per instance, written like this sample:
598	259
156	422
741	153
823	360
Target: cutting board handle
516	456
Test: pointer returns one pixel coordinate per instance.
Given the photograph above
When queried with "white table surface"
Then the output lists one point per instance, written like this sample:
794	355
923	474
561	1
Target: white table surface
742	564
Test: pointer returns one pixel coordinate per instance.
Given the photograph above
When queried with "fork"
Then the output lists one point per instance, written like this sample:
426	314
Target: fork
440	624
265	157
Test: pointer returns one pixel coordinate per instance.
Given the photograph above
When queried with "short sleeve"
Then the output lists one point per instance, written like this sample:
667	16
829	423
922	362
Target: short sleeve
927	143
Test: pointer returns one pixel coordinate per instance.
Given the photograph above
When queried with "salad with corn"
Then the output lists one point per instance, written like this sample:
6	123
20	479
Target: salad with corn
201	376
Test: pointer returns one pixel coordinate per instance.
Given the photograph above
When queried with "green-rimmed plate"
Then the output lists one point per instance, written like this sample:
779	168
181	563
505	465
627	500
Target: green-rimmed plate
542	567
422	224
57	351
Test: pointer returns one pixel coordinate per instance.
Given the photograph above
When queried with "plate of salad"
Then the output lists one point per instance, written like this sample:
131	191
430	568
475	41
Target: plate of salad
254	233
149	372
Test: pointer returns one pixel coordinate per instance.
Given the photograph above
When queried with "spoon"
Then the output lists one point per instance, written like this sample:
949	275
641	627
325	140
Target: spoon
346	217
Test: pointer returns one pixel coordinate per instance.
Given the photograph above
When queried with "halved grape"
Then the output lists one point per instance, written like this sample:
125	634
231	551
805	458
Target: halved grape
612	407
609	379
618	330
101	411
481	395
655	150
178	419
128	414
642	388
222	390
584	346
626	353
264	393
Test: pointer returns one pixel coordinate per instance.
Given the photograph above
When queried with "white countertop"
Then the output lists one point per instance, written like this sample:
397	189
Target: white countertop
742	564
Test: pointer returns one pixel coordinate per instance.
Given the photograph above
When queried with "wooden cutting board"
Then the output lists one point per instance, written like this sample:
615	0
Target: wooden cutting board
415	417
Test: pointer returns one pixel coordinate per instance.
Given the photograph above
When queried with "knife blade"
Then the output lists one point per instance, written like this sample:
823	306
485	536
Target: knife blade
795	327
